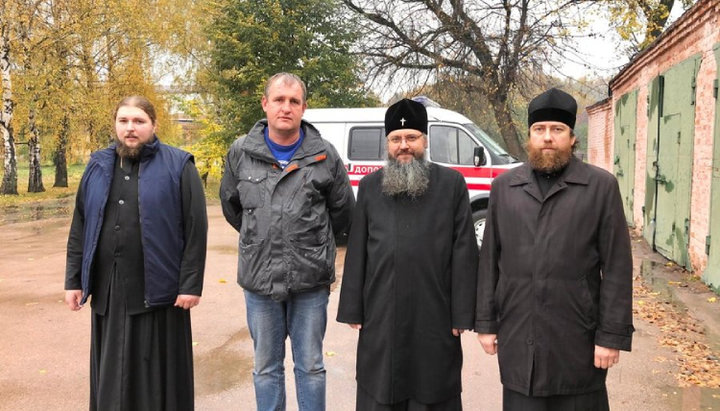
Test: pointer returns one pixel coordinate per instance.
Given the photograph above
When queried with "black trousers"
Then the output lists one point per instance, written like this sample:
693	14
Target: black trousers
365	402
592	401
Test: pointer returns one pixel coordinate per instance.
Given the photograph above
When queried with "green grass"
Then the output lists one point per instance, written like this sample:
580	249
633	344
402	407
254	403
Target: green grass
51	193
75	172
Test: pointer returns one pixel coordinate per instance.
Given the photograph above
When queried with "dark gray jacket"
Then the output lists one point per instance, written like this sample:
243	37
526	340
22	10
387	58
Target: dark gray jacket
287	218
555	279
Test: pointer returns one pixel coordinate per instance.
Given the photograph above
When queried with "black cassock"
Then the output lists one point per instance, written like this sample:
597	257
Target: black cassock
409	278
140	357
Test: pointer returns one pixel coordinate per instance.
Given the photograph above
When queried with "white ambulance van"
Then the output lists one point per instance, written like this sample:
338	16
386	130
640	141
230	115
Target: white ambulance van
453	141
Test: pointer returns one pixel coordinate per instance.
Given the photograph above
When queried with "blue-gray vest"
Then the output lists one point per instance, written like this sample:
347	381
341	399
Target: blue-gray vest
161	219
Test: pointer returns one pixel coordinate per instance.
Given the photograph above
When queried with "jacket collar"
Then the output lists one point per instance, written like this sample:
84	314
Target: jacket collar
255	145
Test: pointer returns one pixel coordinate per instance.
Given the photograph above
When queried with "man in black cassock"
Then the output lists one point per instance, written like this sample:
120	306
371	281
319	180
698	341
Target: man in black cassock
137	244
410	274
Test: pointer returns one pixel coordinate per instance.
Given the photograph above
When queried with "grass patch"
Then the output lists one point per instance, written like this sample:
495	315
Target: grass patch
75	172
51	193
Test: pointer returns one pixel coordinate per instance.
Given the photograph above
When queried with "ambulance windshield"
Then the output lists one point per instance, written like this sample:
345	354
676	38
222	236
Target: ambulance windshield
496	152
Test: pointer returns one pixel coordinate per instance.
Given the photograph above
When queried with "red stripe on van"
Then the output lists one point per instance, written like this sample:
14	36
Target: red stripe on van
479	187
477	172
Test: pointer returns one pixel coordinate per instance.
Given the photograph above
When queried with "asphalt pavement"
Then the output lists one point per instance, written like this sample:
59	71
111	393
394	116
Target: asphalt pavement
44	349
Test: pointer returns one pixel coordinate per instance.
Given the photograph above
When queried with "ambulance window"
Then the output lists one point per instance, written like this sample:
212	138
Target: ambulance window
366	143
451	145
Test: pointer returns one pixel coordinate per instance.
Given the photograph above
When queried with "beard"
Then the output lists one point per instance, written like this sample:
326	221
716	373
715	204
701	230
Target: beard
548	162
411	178
124	151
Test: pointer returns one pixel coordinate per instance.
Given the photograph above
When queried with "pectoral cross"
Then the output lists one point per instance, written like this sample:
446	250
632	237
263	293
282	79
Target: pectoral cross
402	121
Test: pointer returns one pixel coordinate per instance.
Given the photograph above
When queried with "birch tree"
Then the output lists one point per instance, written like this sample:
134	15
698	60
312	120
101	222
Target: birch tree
9	181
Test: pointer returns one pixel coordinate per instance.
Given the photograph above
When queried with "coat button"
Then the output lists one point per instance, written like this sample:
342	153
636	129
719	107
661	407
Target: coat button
121	202
127	178
117	228
530	341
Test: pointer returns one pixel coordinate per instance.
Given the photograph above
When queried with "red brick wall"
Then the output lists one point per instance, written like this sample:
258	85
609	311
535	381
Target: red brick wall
695	33
600	135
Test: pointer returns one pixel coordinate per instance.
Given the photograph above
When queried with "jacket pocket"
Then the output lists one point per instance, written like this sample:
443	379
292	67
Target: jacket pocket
312	264
251	272
251	188
586	303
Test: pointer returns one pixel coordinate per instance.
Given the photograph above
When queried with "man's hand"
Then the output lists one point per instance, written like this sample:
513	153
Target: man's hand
606	357
187	301
456	332
356	326
73	298
488	342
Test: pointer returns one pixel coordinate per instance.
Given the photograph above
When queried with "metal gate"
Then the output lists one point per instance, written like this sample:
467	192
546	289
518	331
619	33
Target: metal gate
711	274
670	161
624	162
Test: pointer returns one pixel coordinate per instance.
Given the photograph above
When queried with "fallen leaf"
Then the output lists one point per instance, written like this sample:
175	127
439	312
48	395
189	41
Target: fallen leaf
712	299
222	281
194	343
43	371
330	353
674	283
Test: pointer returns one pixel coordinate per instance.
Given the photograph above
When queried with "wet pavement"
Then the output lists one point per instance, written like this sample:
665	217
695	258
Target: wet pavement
44	347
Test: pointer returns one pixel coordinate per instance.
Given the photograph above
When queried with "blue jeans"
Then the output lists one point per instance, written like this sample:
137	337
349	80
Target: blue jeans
303	316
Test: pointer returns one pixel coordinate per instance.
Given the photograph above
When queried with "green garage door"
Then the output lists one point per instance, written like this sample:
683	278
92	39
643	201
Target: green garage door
711	275
670	151
624	163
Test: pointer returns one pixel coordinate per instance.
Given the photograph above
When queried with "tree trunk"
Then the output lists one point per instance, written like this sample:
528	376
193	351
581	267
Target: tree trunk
508	131
35	183
9	181
60	156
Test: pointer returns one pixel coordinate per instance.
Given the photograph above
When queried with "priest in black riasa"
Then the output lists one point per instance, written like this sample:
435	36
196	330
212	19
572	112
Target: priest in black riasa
410	274
137	247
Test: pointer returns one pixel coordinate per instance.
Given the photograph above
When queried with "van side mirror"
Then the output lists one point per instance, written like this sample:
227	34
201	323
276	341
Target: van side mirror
479	156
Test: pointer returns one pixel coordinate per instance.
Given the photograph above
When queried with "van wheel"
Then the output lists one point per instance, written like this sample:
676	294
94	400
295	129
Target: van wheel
479	224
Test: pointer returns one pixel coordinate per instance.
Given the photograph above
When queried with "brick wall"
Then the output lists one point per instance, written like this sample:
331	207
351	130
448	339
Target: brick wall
695	33
600	135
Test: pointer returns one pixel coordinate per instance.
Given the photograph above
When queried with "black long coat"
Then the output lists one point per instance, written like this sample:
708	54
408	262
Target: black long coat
555	279
409	279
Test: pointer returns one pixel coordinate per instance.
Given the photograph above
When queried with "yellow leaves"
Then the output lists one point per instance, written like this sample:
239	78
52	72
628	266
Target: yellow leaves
712	299
222	281
330	353
698	364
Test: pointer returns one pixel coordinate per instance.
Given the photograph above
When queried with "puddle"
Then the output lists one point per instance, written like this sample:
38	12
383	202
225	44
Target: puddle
657	283
224	367
36	211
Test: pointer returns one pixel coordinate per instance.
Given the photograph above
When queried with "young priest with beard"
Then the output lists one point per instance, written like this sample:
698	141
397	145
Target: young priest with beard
410	273
554	296
137	245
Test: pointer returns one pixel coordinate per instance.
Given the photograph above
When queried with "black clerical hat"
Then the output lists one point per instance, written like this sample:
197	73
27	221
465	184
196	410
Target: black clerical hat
553	105
406	114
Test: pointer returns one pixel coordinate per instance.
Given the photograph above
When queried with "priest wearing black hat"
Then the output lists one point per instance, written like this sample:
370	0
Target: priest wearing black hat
554	296
410	274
